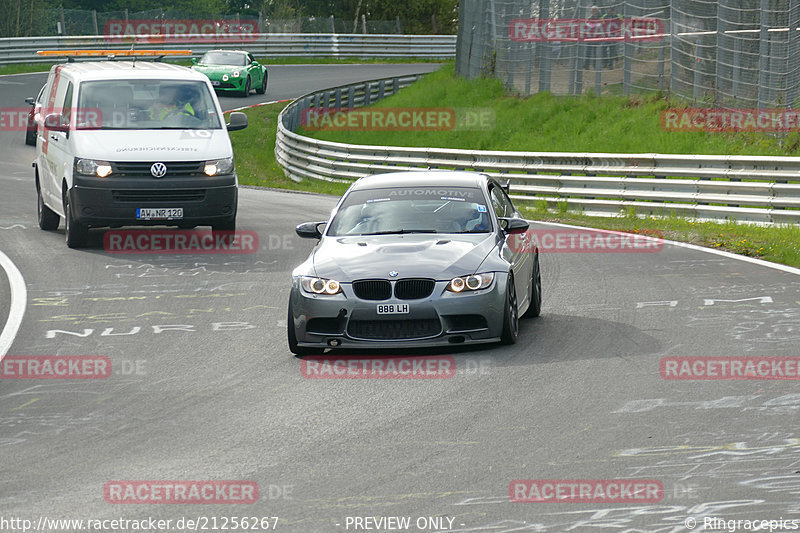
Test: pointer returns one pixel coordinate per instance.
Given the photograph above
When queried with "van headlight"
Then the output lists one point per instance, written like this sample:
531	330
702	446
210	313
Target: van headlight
92	167
320	285
474	282
218	166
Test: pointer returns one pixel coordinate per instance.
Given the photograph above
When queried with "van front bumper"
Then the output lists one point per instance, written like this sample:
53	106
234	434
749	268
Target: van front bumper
112	202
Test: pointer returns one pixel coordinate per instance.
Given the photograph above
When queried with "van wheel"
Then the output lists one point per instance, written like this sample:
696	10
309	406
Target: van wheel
228	225
76	233
48	219
246	90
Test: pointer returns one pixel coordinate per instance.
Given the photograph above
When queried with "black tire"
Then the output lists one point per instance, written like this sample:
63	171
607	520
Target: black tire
228	225
30	137
246	90
292	337
76	233
263	88
48	219
535	308
510	314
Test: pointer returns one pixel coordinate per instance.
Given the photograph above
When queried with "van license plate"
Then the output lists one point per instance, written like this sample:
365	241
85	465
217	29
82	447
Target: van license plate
159	213
393	309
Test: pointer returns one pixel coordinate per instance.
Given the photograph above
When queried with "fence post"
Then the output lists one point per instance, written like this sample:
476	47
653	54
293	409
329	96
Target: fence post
792	53
719	59
626	51
333	24
543	51
94	20
737	67
363	23
673	45
763	56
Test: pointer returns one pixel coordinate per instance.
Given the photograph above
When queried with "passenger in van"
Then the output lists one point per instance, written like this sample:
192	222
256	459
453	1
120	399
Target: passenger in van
171	102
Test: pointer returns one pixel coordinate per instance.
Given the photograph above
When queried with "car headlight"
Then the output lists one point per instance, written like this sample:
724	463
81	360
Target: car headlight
474	282
224	77
320	285
218	166
92	167
235	73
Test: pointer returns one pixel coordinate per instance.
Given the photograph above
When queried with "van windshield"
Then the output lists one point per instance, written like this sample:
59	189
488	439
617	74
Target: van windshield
146	105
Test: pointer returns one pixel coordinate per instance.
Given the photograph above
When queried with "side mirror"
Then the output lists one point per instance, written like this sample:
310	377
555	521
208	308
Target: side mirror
30	100
254	63
194	61
238	121
55	122
310	230
514	225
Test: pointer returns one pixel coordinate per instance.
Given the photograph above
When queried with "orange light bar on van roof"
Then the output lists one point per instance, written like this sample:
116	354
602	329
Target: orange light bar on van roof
113	53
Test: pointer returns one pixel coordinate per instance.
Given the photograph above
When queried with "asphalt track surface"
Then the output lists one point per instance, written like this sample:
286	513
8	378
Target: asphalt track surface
204	387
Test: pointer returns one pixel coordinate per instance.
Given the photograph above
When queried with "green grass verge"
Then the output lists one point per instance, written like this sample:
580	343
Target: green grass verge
547	123
44	67
254	150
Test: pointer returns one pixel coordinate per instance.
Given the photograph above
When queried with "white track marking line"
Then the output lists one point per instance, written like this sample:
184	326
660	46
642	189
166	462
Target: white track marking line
729	255
19	300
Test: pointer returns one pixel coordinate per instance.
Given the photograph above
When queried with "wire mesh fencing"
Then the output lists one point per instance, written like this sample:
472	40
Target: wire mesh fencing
725	53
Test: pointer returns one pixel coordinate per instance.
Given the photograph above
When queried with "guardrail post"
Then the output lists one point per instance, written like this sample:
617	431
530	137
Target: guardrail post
381	87
367	93
395	85
338	97
351	96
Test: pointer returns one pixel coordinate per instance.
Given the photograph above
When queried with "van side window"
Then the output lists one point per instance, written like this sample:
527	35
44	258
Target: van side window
66	107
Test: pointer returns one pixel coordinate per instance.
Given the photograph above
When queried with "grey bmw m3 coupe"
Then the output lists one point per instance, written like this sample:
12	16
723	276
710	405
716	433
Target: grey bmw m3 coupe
415	259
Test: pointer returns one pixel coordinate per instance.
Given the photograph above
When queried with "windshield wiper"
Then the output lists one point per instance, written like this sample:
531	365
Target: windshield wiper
401	231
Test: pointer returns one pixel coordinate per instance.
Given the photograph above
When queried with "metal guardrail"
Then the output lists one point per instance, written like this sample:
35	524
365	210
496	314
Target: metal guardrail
706	187
23	49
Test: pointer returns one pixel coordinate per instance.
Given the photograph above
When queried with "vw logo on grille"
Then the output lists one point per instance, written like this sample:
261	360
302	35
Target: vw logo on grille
394	274
158	170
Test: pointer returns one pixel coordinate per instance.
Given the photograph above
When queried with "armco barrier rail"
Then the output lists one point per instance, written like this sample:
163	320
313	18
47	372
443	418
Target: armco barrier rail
23	49
705	187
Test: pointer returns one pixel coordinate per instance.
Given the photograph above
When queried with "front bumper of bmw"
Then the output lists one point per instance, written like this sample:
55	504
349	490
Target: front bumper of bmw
443	319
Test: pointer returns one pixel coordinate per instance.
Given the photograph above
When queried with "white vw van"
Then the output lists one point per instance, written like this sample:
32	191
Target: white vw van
133	144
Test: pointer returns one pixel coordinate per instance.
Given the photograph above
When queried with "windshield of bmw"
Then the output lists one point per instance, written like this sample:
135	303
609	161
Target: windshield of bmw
412	210
146	104
231	59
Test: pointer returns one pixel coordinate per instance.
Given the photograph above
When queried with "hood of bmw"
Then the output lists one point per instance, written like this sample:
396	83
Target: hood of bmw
437	256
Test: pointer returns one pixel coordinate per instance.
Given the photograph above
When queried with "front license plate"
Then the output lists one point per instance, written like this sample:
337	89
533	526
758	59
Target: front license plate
393	309
159	213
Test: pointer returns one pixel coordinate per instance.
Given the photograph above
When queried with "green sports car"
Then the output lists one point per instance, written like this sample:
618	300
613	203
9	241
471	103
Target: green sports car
233	70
